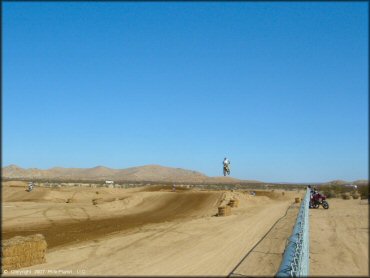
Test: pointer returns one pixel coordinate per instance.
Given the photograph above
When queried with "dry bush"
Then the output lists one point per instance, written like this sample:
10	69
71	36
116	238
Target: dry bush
20	251
346	196
356	195
364	191
330	194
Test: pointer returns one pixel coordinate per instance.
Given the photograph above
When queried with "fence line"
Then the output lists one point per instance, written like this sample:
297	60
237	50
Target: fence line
295	261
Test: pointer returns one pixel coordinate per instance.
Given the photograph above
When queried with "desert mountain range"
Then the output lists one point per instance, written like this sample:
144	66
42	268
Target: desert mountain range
152	173
155	173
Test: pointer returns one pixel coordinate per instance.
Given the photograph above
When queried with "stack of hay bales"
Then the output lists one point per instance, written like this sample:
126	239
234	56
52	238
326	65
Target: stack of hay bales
224	211
234	203
20	251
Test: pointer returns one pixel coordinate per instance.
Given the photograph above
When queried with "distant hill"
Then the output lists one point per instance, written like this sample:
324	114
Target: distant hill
361	182
147	173
154	173
342	182
338	182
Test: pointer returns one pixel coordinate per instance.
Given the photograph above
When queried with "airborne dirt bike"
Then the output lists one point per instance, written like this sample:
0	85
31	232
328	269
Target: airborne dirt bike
317	200
226	170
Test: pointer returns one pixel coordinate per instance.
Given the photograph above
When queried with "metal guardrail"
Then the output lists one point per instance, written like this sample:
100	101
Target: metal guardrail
295	261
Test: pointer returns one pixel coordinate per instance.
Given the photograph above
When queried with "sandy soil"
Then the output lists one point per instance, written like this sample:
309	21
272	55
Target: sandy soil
154	231
339	239
143	231
265	258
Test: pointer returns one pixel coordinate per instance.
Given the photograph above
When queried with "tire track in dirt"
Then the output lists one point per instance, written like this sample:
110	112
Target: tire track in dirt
24	215
167	207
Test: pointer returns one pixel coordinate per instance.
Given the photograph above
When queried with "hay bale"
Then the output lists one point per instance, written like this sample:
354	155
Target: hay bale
224	211
297	199
346	196
20	251
234	203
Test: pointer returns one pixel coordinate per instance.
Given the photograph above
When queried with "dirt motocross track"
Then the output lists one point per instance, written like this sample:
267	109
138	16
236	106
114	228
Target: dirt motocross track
153	209
139	231
151	230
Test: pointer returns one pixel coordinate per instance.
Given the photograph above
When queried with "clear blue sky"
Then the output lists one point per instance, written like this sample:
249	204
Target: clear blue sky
281	88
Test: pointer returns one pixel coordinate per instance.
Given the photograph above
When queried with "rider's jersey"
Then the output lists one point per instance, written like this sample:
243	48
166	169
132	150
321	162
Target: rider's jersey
226	162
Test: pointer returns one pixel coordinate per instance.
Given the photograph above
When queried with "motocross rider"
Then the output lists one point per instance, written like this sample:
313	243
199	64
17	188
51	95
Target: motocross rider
30	186
311	195
226	164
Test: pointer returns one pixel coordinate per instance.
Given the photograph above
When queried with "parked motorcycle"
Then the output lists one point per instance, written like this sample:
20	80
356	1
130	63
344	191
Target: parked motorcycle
318	199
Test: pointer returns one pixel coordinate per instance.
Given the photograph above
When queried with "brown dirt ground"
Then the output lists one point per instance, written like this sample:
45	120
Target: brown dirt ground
339	239
154	209
153	231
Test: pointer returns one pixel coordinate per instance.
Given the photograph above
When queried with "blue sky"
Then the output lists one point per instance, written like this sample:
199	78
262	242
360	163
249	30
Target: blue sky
280	88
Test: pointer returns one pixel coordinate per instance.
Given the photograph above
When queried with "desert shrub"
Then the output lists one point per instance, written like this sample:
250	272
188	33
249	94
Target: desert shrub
330	194
346	196
364	191
356	195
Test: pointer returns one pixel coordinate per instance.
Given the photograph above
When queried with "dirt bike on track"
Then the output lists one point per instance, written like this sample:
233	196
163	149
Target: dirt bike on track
226	170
